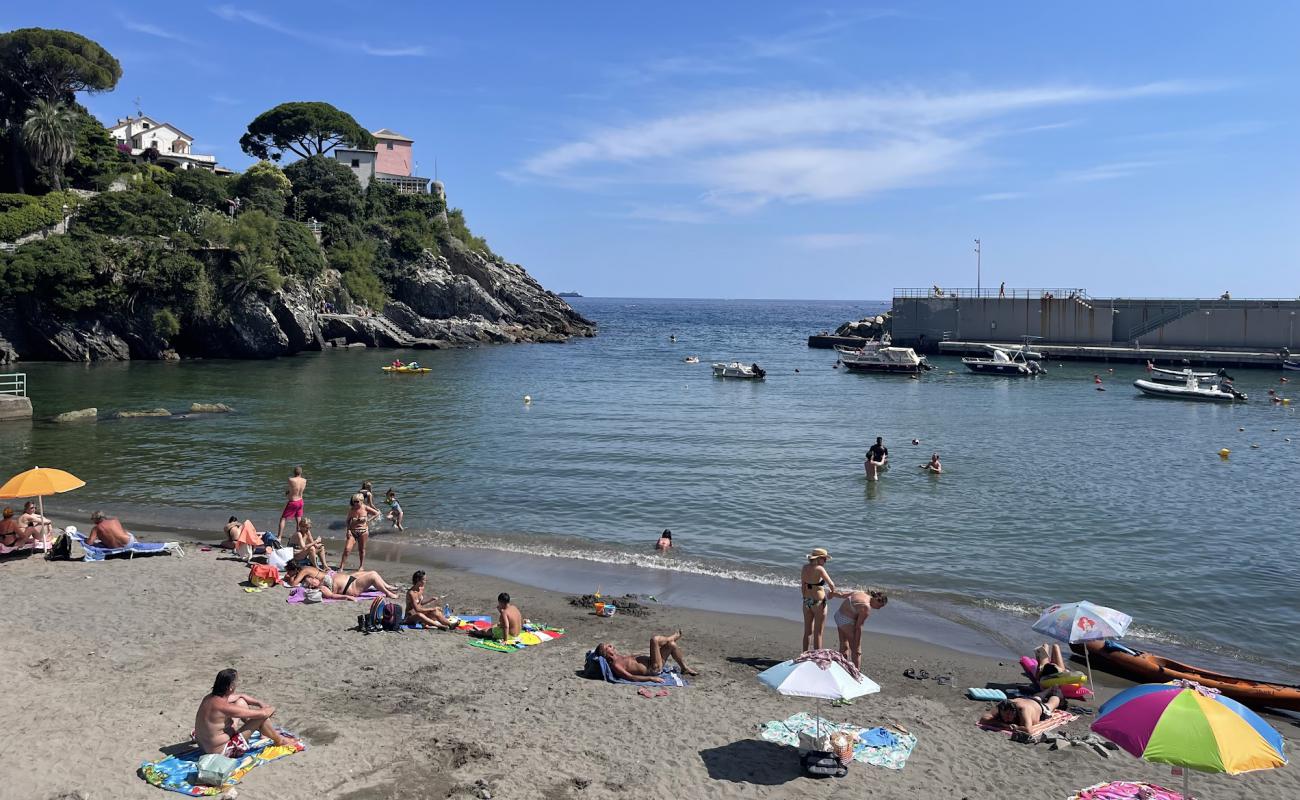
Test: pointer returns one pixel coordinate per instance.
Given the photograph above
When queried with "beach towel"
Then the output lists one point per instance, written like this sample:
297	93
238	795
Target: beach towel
977	693
135	548
531	635
298	595
1126	790
889	756
670	675
1057	719
176	773
32	546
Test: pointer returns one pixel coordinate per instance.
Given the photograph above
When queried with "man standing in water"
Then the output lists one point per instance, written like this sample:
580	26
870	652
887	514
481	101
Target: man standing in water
877	457
293	508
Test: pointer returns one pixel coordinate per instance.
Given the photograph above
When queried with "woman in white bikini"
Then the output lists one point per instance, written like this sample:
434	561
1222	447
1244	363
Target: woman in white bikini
817	588
851	616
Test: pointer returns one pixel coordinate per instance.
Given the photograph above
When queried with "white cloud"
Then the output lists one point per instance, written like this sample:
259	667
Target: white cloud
995	197
235	14
149	29
669	213
1107	172
831	241
816	146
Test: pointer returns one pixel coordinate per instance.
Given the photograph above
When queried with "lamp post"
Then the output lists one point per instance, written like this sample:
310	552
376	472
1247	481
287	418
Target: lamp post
1290	328
977	267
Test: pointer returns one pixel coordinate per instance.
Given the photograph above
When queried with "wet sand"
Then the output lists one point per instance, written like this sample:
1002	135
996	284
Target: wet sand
106	663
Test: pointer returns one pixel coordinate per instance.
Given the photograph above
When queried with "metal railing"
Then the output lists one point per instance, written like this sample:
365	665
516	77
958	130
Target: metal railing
14	383
964	293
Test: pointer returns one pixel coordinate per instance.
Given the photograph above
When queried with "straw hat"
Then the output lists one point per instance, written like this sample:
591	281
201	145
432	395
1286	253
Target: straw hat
819	552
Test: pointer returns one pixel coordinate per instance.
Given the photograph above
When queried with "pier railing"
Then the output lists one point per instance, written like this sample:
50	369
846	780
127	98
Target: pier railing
941	292
14	383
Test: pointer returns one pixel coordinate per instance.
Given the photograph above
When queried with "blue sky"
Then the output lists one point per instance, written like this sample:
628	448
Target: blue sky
784	150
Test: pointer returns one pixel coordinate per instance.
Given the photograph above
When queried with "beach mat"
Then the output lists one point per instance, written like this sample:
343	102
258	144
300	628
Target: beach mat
298	596
1126	790
1058	719
176	773
893	755
532	635
97	553
670	675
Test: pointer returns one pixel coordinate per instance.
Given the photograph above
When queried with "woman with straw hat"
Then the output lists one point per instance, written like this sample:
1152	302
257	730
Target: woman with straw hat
817	588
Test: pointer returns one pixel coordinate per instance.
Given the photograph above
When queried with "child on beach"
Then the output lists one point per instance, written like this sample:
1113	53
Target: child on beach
424	612
394	510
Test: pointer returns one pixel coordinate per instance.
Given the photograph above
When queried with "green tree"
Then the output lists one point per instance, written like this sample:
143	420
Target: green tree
264	187
96	161
63	271
248	275
304	129
52	65
135	214
457	228
200	187
299	254
328	192
49	134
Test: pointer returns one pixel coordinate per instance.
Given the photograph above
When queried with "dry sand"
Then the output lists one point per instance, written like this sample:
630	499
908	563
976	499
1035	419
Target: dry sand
105	664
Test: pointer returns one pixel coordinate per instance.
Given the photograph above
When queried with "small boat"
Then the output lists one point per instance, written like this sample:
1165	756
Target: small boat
736	369
1193	389
1293	366
404	370
691	359
1150	668
877	355
1179	376
1006	362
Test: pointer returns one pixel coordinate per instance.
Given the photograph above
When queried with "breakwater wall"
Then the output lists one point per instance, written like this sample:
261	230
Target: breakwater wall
924	318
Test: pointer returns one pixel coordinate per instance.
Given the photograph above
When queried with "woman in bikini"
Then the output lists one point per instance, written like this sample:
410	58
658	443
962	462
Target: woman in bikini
851	616
307	548
425	612
11	533
1029	715
358	525
817	588
336	586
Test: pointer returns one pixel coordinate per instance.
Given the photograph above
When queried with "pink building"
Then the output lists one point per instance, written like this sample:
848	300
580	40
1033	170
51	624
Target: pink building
394	153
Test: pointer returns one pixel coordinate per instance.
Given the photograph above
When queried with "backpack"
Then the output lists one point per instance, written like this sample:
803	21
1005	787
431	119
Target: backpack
61	549
386	614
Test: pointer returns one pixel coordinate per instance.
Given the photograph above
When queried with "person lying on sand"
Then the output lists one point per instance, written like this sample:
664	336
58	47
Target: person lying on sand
645	668
425	612
337	586
12	534
108	532
295	573
307	548
224	716
1031	715
1050	661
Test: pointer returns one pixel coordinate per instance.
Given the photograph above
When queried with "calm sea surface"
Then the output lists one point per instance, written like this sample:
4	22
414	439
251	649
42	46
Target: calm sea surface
1052	490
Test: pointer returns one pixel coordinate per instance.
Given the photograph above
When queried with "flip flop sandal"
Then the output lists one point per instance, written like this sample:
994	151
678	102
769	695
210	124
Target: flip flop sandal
841	702
944	680
646	693
923	676
910	673
661	693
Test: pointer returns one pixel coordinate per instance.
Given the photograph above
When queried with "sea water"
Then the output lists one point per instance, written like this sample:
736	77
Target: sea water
1052	490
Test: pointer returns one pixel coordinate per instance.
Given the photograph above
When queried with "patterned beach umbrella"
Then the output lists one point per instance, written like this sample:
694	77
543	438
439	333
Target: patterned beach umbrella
1083	622
1190	726
810	679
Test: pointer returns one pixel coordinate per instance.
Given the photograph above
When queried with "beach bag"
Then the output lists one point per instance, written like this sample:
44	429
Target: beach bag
386	614
822	764
313	596
279	558
263	575
61	549
214	770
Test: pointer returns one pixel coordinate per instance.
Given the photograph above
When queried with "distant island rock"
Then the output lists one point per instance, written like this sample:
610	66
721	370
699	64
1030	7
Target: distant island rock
567	294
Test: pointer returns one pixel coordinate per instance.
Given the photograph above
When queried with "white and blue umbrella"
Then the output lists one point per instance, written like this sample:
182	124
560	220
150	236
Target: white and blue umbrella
1083	622
807	678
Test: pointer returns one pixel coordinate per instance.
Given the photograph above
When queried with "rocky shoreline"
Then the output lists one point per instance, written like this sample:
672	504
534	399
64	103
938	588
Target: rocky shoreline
457	298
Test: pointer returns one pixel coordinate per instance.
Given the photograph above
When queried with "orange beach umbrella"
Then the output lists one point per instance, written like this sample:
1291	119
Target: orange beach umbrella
38	482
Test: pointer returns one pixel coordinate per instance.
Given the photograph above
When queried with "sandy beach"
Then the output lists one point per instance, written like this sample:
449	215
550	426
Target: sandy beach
106	663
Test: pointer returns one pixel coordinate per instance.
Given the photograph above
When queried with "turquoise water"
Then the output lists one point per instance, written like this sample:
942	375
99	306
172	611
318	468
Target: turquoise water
1052	490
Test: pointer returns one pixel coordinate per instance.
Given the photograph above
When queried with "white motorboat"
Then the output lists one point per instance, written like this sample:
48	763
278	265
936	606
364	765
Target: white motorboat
1006	362
1293	366
1180	376
736	369
1193	389
877	355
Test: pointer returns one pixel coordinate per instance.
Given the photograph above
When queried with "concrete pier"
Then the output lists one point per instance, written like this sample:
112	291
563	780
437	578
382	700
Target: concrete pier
1162	356
14	408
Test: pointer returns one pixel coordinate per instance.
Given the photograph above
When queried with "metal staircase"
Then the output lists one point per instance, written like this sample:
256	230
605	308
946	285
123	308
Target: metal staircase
1180	311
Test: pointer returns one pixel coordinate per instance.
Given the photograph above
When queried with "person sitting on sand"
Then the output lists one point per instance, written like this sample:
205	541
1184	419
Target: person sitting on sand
358	529
337	586
665	541
424	612
1050	661
1031	715
308	549
35	524
851	616
224	716
817	588
12	534
395	514
509	625
933	465
231	532
645	669
108	532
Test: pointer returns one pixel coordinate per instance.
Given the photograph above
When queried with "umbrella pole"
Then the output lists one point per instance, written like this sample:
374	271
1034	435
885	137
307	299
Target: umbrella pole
1187	781
1087	659
45	529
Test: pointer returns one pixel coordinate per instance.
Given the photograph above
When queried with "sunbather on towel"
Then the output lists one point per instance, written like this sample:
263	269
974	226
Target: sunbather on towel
337	586
1050	661
35	524
108	532
295	573
225	715
424	612
1029	714
645	668
12	533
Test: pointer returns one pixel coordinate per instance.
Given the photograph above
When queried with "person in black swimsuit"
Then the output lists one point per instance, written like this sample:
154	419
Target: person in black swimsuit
877	457
1031	715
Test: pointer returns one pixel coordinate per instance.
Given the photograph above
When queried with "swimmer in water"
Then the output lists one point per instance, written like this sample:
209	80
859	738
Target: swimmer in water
665	540
933	465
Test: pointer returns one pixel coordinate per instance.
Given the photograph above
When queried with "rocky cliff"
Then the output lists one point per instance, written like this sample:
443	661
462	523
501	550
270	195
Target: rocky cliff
456	298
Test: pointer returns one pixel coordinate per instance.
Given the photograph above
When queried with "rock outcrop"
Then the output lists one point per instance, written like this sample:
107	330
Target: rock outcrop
148	412
867	327
80	415
210	408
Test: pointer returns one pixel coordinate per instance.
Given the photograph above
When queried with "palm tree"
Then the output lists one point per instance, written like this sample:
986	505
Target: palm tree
50	136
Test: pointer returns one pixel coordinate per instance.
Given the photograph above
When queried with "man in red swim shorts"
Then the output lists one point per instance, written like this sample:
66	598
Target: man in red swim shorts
293	508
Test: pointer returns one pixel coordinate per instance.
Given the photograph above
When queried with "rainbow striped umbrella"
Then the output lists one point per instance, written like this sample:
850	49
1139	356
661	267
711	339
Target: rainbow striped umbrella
1190	726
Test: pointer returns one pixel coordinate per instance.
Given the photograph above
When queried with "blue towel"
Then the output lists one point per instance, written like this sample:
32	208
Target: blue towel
670	676
97	553
878	737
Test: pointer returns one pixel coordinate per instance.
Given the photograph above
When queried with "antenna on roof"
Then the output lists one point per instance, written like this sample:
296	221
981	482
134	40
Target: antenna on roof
138	112
435	168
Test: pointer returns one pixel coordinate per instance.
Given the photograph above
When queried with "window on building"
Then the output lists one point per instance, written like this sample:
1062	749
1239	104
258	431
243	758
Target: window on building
144	125
389	145
356	163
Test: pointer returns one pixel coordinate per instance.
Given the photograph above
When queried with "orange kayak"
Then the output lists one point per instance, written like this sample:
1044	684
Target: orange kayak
1150	668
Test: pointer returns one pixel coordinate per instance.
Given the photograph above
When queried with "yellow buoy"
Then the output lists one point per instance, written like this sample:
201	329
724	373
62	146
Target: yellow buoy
1224	453
1286	401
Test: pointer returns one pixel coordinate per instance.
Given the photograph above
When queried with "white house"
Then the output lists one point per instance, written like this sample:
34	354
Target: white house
159	142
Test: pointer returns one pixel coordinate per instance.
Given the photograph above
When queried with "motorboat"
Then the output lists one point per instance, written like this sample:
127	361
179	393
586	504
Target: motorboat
1293	366
1221	391
691	360
736	369
1179	376
878	355
1006	362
